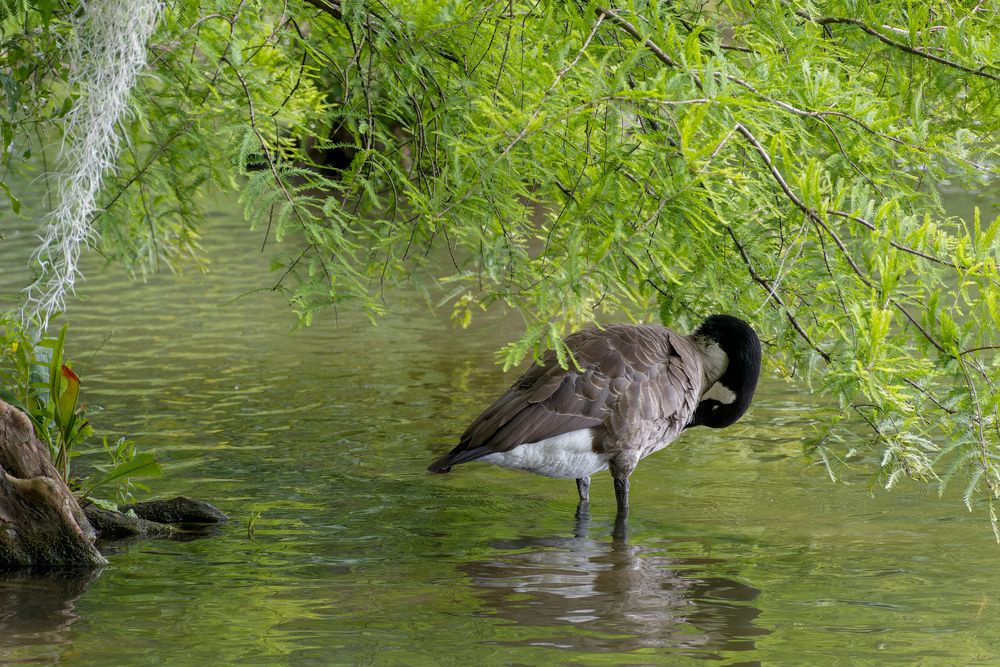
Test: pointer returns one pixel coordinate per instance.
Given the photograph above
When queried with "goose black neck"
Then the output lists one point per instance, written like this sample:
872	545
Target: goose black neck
742	347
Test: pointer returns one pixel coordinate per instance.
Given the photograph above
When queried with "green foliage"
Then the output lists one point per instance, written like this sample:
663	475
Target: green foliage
252	525
125	464
36	378
32	98
48	391
777	159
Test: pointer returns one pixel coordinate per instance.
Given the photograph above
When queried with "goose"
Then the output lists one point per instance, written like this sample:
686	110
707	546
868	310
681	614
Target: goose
632	390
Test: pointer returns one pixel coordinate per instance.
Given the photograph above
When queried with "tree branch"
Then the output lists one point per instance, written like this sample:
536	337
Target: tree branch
815	217
648	43
273	168
810	213
331	7
818	115
760	280
861	25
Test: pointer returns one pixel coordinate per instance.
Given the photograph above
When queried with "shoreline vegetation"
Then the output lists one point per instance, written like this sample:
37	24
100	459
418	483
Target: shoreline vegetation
48	516
43	524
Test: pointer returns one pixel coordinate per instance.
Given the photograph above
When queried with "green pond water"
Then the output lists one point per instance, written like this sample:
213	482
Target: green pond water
740	551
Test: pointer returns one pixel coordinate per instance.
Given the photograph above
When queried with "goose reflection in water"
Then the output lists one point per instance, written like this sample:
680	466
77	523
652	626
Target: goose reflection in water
594	594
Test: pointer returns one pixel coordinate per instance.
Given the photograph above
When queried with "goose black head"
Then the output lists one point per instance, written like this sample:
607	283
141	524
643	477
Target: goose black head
726	400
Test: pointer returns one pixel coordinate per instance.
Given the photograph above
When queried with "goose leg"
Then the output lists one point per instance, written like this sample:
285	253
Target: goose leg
621	494
582	520
583	507
620	531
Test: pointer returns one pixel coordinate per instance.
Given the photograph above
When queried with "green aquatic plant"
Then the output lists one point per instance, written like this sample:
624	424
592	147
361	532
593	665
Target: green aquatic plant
252	525
39	383
36	378
125	464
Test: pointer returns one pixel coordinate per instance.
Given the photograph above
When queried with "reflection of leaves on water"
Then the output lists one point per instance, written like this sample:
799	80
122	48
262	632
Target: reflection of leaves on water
602	595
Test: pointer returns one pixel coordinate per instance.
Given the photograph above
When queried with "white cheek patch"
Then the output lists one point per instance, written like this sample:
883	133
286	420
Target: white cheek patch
715	360
720	393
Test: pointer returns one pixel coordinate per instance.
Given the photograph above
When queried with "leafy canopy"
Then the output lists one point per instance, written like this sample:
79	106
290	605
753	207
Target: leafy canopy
778	159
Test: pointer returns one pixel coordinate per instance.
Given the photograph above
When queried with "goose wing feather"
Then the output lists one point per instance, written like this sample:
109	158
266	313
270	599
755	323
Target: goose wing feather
624	375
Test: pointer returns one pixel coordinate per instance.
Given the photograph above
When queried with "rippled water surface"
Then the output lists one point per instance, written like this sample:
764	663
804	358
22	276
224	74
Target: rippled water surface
741	551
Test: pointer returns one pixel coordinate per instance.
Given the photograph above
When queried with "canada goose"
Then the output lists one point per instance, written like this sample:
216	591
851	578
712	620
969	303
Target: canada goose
631	391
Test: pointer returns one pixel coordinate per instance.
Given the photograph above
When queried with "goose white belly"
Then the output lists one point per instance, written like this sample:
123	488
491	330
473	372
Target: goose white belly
566	456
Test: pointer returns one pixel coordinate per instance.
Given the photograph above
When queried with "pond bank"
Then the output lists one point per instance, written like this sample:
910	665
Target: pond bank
41	522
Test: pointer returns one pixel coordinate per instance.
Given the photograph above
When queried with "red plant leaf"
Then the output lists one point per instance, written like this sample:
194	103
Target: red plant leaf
69	374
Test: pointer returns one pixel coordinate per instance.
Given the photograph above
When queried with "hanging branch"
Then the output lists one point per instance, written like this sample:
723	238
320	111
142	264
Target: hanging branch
760	280
864	27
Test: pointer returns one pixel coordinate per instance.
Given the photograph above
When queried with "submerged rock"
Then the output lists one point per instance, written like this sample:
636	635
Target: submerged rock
116	525
178	510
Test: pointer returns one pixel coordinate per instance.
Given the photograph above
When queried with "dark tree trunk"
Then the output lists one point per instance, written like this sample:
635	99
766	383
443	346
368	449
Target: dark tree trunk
41	523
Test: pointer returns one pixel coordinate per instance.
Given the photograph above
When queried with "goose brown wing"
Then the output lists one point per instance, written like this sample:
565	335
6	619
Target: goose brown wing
623	373
663	387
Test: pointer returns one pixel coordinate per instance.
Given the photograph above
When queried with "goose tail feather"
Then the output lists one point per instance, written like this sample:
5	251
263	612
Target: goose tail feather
440	466
456	456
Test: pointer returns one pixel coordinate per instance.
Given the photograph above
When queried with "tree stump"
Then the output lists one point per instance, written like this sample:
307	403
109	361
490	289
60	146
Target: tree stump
41	523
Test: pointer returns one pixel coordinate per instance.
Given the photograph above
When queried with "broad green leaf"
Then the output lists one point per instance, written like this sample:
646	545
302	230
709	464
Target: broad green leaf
70	393
142	465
